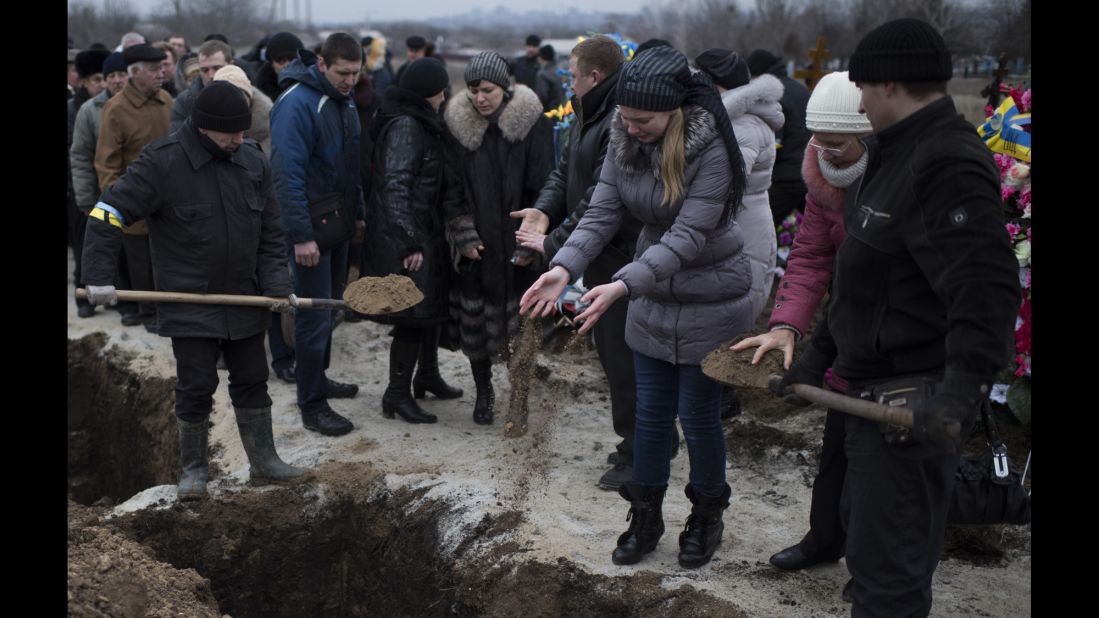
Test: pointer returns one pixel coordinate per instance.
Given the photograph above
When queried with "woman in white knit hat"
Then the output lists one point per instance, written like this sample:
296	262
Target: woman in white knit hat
834	161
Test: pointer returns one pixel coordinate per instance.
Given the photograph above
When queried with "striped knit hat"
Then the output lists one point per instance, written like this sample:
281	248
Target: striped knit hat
657	80
491	66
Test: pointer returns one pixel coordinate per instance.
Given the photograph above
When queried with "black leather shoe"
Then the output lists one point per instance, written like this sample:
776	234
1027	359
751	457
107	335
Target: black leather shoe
612	459
615	477
339	390
794	559
326	421
131	319
85	311
847	590
286	374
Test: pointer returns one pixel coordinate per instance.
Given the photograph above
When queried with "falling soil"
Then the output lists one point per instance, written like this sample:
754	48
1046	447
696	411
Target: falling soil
736	368
379	295
983	545
521	375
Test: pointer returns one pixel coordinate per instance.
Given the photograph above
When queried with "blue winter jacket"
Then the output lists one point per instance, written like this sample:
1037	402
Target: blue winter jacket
314	146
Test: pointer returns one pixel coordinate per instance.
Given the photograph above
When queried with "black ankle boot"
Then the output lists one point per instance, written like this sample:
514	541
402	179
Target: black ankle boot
397	399
702	534
646	522
427	370
486	397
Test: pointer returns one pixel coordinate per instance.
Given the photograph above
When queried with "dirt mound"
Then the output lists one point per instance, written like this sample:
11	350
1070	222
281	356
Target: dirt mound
736	368
110	575
749	441
378	295
984	545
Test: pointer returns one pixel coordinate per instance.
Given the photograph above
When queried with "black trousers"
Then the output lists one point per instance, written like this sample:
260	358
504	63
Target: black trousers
615	356
894	509
78	222
826	538
197	375
785	197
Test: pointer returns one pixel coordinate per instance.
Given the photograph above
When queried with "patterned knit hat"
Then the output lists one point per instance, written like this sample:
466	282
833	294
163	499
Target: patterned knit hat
902	50
491	66
834	107
655	81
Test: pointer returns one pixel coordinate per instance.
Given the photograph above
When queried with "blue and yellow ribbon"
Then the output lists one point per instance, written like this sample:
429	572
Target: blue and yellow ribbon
107	213
1004	131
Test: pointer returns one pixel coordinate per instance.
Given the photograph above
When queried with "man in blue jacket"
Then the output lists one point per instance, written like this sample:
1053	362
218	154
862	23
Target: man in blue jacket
315	153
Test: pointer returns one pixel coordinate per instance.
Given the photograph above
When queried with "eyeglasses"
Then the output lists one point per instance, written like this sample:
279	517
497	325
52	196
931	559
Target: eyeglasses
835	152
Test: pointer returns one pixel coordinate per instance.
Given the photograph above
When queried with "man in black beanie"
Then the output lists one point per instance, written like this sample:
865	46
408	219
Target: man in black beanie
281	50
214	230
924	299
787	192
525	67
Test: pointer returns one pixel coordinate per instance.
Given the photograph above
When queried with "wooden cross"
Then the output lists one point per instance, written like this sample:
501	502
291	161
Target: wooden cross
816	70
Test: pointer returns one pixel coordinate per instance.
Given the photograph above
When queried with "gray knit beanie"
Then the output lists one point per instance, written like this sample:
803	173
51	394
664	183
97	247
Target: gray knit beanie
657	80
491	66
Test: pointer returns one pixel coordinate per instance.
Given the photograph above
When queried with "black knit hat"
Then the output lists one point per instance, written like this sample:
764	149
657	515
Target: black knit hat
761	61
89	62
142	53
491	66
426	77
113	63
415	42
534	40
655	81
547	52
724	67
221	106
902	50
283	45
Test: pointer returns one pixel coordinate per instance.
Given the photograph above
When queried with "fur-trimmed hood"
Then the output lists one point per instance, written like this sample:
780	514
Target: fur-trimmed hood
759	97
633	156
468	126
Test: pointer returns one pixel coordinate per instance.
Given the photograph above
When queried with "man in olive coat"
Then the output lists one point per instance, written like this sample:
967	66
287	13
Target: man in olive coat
215	227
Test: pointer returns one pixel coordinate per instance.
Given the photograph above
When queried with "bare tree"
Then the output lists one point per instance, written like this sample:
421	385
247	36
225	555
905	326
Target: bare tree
88	24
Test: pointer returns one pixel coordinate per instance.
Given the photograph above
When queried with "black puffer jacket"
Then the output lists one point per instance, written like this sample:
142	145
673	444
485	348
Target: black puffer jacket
214	226
926	279
793	135
569	188
416	191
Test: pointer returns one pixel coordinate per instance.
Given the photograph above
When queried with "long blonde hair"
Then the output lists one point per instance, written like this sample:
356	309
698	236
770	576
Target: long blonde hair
673	161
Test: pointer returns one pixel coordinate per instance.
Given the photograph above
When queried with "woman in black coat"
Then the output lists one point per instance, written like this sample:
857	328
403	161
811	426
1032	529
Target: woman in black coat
505	145
415	194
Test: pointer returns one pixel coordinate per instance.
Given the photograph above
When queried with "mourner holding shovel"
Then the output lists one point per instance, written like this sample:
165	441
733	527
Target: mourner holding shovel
925	294
214	227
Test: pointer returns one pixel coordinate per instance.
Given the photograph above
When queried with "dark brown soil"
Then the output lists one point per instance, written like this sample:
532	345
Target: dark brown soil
983	545
748	441
122	431
521	375
736	368
379	295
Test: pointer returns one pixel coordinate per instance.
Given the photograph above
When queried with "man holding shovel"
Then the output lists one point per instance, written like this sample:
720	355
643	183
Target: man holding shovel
214	227
925	294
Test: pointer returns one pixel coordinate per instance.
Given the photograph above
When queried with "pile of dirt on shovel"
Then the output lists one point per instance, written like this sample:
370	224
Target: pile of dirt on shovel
736	368
379	295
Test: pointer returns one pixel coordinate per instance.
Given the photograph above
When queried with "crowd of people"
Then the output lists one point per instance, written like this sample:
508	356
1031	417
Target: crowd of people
279	172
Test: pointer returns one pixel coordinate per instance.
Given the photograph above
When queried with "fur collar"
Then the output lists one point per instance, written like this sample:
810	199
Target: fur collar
828	196
468	126
633	157
760	96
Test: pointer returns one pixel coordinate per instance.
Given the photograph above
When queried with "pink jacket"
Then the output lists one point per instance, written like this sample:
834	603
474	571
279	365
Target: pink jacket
809	266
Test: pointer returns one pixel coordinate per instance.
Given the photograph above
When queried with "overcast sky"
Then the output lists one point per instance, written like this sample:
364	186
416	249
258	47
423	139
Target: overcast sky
384	10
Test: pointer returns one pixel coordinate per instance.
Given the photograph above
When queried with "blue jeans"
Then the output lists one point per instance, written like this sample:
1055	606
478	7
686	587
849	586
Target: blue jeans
663	390
313	327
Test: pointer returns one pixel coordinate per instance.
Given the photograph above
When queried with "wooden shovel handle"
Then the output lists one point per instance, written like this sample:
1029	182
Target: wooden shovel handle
218	299
894	415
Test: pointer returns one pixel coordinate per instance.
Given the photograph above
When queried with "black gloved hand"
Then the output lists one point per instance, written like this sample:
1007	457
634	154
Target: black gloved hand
941	419
808	369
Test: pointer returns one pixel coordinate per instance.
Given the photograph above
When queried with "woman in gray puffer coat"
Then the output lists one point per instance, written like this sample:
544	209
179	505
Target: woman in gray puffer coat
673	163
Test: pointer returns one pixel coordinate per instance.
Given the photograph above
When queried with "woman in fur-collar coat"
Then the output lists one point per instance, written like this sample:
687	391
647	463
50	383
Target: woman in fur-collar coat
505	147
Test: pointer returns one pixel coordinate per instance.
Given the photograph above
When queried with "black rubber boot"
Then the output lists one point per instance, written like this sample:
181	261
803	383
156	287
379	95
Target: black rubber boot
193	439
397	400
427	370
486	397
702	534
254	425
646	522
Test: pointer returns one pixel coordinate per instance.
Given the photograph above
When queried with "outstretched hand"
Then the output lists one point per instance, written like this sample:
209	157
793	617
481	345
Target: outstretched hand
601	298
777	339
538	301
534	220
